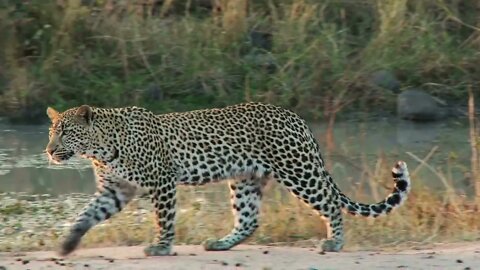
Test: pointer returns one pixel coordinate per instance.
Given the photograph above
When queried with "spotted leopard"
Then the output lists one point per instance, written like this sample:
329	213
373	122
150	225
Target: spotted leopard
247	144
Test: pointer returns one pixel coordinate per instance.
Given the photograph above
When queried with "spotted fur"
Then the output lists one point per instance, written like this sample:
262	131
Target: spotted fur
247	143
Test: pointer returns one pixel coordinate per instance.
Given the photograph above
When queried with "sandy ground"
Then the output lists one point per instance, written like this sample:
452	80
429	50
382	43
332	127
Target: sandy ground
458	256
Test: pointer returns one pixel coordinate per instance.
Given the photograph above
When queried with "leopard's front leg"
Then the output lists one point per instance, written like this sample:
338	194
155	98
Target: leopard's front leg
164	201
110	198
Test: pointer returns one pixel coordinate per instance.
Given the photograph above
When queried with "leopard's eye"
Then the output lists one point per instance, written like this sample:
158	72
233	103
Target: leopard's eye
65	132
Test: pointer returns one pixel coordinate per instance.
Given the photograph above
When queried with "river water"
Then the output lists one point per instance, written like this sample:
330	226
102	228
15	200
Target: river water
358	146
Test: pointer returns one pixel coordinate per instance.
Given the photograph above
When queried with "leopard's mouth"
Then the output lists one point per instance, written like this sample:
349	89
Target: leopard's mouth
58	157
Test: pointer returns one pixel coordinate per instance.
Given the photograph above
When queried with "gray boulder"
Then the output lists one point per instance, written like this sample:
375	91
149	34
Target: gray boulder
262	60
417	105
385	79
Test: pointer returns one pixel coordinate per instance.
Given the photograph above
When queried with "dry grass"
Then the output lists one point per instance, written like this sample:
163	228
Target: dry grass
204	212
427	217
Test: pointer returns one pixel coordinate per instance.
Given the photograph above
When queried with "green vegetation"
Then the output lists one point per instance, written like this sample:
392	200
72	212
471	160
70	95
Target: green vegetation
309	55
13	209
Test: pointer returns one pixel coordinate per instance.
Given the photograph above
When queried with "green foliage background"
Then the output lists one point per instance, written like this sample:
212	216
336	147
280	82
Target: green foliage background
313	56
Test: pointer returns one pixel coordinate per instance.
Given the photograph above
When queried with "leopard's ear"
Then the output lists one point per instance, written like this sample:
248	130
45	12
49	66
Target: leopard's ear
84	115
52	114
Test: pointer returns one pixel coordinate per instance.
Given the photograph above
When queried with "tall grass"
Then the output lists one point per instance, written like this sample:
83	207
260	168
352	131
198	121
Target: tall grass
181	56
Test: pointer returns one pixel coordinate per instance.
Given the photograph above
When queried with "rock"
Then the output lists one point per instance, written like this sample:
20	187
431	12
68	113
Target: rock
416	105
385	79
261	40
262	60
153	92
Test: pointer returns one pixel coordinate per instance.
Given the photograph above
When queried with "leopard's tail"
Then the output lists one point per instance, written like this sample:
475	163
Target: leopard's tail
394	199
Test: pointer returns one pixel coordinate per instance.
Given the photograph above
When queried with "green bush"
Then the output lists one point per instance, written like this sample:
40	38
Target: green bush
188	55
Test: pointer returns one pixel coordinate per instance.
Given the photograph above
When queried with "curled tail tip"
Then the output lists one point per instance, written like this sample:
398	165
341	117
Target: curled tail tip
393	200
400	166
400	170
402	179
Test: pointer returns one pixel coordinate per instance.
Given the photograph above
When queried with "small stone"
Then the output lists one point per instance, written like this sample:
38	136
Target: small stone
265	252
459	261
385	79
322	252
25	261
224	263
238	264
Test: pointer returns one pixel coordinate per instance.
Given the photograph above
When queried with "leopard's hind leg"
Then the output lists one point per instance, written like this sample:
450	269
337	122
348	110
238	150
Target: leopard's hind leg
245	198
314	188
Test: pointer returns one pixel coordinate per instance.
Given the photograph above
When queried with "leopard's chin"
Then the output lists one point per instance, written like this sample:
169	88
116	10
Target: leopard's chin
61	157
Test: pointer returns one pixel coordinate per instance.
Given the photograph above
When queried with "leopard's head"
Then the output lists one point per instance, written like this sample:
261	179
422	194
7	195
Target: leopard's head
70	133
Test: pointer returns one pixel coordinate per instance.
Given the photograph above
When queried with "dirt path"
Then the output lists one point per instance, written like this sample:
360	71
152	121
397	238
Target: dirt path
459	256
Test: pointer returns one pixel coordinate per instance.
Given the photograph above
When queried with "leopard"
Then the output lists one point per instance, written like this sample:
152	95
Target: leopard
247	144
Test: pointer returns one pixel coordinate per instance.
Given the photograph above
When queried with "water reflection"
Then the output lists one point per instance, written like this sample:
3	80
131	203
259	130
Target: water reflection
24	167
